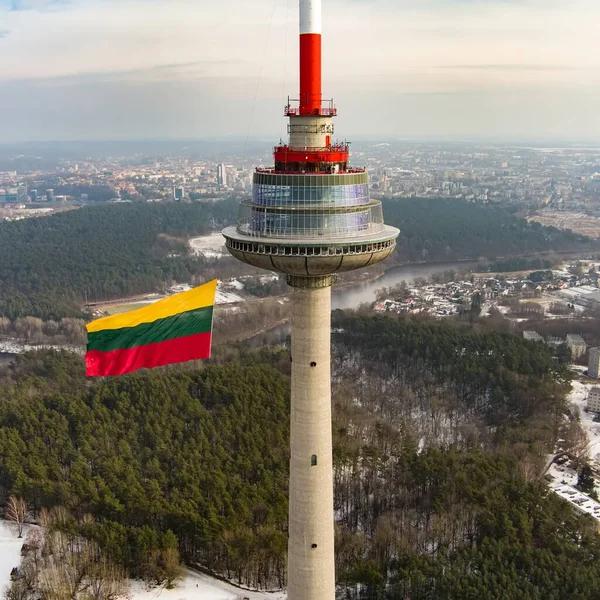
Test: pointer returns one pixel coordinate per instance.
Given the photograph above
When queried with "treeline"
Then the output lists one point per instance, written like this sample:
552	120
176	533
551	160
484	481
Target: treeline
33	330
453	229
95	193
519	264
49	266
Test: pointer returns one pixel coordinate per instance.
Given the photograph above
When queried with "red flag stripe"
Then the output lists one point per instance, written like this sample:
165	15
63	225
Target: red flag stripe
126	360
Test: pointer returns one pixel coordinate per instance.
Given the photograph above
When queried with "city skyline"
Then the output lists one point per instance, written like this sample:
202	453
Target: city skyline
138	69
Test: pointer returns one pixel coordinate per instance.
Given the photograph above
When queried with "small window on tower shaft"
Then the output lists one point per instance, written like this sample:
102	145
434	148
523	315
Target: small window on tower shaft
313	460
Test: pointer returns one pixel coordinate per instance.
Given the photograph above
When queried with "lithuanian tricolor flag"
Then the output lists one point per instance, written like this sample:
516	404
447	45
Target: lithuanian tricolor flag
173	330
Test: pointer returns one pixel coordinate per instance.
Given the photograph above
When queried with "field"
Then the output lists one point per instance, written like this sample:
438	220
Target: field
209	246
577	222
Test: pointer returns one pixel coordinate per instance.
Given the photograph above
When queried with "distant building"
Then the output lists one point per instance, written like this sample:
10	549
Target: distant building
50	195
584	295
178	193
33	195
22	193
593	400
577	345
222	175
594	363
533	336
10	196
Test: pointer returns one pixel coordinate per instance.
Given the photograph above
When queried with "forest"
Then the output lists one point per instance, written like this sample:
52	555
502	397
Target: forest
435	229
440	433
50	265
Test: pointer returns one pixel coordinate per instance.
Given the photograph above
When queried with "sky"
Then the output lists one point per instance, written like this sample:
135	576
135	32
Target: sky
400	69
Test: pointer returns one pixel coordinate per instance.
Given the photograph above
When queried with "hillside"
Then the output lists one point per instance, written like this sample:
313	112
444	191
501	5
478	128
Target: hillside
439	434
50	264
453	229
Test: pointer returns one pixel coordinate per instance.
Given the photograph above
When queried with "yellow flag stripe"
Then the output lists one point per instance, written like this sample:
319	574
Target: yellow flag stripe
199	297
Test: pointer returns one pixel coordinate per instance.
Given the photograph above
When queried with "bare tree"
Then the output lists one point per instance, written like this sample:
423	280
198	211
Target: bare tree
17	590
62	566
5	325
16	512
106	582
164	567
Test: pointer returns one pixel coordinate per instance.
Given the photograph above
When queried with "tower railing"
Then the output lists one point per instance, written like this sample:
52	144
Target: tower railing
250	228
327	109
311	222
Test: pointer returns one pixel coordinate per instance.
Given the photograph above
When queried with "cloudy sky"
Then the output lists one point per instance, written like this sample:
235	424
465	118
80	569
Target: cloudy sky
113	69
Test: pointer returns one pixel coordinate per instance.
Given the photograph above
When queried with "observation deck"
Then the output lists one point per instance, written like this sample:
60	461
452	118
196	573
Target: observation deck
310	224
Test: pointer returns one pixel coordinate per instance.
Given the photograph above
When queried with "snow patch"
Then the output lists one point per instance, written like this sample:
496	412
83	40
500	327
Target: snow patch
222	297
209	246
578	398
197	586
268	278
11	346
194	586
10	553
235	284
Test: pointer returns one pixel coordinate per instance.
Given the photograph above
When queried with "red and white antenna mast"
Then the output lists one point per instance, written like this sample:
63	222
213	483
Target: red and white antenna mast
310	57
311	148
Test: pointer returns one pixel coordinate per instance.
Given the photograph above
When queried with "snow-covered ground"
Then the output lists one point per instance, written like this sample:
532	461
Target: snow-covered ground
235	284
10	553
580	501
485	310
209	246
194	586
222	296
563	474
578	398
11	346
565	478
197	586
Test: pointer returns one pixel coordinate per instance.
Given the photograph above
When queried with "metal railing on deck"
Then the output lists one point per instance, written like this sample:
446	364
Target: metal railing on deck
246	227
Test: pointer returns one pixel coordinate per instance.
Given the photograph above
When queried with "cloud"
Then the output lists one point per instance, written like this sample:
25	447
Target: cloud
38	5
4	33
161	73
177	65
515	67
210	107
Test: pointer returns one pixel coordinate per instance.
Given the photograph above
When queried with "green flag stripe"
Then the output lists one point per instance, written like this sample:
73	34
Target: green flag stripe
183	324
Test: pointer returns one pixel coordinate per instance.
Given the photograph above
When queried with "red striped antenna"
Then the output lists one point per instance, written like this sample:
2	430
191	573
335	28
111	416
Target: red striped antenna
310	57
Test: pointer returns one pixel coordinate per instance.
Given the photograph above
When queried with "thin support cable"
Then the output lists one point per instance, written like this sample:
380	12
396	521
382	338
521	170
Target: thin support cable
285	50
262	64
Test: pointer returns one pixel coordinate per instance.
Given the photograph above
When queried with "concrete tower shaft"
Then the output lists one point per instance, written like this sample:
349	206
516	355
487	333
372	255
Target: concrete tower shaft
311	558
310	216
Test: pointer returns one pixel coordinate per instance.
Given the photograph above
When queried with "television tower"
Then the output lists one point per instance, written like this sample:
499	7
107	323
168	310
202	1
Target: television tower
310	217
